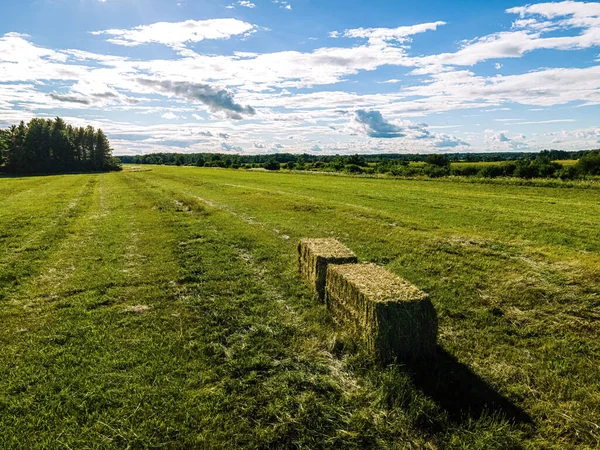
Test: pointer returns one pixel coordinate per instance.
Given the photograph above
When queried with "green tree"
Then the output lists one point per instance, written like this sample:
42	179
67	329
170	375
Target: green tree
3	146
37	145
16	153
103	151
589	164
272	165
438	160
53	146
357	160
60	147
89	146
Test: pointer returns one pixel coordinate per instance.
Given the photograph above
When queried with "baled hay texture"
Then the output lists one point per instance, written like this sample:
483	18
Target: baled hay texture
394	318
313	257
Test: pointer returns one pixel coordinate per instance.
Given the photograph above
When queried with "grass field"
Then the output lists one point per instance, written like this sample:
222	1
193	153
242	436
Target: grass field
161	308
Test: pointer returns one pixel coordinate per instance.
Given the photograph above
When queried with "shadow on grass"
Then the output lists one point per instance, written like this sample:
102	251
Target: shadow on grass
458	390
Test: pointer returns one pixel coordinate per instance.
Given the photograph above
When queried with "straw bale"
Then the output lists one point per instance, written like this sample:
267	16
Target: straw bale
395	319
313	257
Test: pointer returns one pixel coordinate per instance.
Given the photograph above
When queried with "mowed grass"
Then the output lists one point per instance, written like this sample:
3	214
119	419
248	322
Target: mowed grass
162	309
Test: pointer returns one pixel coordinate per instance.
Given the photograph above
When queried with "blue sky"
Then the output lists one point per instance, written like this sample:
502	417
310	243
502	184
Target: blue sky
323	76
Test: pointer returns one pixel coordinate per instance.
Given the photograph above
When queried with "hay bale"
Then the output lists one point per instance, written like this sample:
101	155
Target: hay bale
313	257
394	318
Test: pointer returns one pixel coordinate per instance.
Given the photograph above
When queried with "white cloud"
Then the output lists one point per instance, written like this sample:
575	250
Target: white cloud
399	34
171	116
36	80
527	35
283	4
177	34
540	88
579	11
246	3
496	136
544	121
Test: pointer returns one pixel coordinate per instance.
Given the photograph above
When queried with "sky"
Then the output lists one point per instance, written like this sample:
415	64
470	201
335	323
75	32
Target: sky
314	76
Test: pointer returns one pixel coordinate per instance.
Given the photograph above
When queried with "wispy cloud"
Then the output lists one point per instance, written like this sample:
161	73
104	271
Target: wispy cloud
177	34
399	34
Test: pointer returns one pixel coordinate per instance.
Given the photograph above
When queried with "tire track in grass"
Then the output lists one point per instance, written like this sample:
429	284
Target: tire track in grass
59	278
428	202
33	300
28	254
14	189
64	363
285	302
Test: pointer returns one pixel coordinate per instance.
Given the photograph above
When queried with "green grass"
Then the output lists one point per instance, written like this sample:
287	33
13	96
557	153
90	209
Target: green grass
162	309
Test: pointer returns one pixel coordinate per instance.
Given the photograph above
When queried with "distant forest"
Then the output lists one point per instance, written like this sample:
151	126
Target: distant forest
228	160
519	165
52	146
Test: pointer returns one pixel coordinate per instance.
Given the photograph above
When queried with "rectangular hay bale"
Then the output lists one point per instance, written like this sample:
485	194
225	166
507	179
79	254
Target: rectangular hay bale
394	318
313	257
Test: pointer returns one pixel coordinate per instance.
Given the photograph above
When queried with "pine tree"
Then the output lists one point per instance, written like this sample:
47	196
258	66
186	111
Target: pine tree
17	146
3	146
103	151
52	146
37	146
89	145
78	139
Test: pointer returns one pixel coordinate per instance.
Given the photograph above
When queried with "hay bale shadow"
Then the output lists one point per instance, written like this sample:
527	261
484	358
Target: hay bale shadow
463	394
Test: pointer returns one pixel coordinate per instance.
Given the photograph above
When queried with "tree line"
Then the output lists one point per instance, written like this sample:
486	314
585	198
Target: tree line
494	165
337	161
53	146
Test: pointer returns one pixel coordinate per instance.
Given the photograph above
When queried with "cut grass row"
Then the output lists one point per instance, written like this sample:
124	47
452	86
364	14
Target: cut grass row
167	312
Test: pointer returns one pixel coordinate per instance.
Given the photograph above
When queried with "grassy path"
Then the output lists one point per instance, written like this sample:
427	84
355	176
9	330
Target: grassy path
162	310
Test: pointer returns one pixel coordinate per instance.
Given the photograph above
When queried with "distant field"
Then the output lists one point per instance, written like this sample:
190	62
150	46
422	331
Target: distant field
567	162
161	308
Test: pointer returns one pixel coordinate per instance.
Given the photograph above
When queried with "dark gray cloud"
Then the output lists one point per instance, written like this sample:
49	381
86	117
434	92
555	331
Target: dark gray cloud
231	148
223	135
70	99
445	141
105	95
376	126
216	99
112	95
